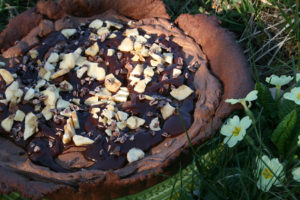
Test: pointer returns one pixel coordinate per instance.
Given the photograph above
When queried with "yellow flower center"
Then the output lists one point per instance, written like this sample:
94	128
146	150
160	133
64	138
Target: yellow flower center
236	131
267	173
298	96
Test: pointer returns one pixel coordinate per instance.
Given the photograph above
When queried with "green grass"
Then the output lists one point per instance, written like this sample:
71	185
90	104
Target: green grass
269	36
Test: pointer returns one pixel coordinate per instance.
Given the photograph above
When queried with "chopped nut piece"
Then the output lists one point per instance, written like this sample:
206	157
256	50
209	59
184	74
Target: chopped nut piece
7	123
126	45
20	115
135	58
29	94
103	94
108	113
149	71
80	72
112	84
121	116
76	101
95	110
140	86
176	72
33	53
13	93
31	125
111	36
75	120
92	50
108	132
103	31
154	125
65	86
154	63
121	125
62	104
131	32
156	57
66	112
40	83
47	113
138	70
121	95
66	138
96	24
181	93
91	100
134	122
68	32
60	73
113	24
168	57
110	52
135	154
51	98
96	72
7	76
155	48
69	60
53	58
167	111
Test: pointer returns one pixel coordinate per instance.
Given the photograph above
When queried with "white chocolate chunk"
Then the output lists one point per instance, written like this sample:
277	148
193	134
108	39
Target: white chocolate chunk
68	32
75	120
121	116
134	122
62	104
96	24
154	124
47	113
96	72
53	58
80	72
181	93
167	111
111	83
29	94
140	86
149	71
7	123
31	125
33	53
7	76
92	50
168	57
20	115
126	45
135	154
110	52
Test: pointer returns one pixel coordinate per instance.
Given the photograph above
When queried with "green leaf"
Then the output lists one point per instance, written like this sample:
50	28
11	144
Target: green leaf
266	100
283	131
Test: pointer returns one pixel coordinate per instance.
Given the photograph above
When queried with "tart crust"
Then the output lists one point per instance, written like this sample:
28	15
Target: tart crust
226	62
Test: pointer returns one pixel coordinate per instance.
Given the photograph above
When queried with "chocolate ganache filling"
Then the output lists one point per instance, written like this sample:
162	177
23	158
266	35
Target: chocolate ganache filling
97	97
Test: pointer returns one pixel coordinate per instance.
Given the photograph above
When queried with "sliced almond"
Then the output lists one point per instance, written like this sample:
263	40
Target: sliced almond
181	93
135	154
76	101
168	57
140	86
29	94
154	124
91	100
96	24
75	120
111	83
96	72
7	123
46	112
60	73
126	45
53	58
31	125
138	70
167	111
7	76
65	86
66	138
68	32
69	128
33	53
121	116
92	50
20	115
82	141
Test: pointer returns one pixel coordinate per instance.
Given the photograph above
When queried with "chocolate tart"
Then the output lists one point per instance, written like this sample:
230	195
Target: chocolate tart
96	95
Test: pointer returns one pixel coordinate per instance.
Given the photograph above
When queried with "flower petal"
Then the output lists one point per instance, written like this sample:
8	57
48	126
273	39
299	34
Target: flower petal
231	141
232	101
296	174
246	122
252	96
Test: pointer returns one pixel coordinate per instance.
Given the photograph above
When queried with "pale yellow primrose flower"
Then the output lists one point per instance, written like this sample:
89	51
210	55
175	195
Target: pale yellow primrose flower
279	81
250	97
297	77
296	174
293	95
298	140
235	129
267	171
